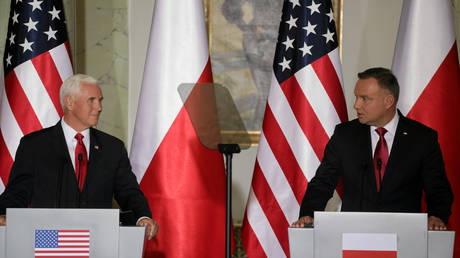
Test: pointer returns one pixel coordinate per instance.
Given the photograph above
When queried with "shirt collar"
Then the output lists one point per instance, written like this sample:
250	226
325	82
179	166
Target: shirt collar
390	126
69	132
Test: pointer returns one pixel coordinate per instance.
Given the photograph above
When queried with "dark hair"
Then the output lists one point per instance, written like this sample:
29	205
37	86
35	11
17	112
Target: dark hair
385	79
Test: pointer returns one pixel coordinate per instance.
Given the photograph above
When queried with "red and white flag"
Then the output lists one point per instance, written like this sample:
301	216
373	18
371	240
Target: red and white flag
426	65
363	245
183	181
35	63
305	103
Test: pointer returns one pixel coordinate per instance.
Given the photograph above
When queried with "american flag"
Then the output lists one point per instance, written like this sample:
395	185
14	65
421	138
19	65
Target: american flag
61	243
305	103
35	62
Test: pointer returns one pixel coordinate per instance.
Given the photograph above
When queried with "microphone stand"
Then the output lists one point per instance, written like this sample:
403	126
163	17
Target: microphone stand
228	150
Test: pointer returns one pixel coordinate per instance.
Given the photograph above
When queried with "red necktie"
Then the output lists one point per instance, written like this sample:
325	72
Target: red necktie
81	161
380	156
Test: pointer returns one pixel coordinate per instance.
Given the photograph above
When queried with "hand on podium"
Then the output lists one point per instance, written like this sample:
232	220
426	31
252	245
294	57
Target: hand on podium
2	220
305	221
151	227
435	223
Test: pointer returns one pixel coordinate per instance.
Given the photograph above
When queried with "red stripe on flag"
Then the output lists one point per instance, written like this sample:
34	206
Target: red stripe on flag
250	240
74	231
67	256
331	83
305	115
271	208
6	161
438	107
49	75
19	103
284	155
62	251
367	254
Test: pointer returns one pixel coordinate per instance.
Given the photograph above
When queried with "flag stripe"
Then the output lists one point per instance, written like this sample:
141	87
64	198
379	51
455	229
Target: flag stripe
306	117
299	143
10	129
49	76
331	84
63	62
277	181
369	241
367	254
250	241
270	206
36	94
20	106
319	100
5	164
262	229
283	154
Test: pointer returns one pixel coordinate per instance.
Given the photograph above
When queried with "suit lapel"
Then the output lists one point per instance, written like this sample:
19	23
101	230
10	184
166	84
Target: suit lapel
365	148
94	154
398	150
60	144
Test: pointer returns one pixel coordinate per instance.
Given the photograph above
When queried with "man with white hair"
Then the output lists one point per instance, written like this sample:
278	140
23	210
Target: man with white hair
72	164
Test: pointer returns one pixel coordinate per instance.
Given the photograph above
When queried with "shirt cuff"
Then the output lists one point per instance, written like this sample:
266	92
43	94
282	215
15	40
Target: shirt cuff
137	222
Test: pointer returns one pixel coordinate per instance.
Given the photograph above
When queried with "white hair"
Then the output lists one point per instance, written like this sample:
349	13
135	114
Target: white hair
71	86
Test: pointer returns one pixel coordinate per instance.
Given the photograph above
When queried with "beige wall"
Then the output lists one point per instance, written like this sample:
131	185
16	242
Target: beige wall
102	52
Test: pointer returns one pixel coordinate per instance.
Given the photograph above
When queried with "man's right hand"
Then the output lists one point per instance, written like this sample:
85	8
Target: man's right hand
303	221
2	220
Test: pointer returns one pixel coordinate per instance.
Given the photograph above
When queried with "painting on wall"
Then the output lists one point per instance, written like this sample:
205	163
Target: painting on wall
242	36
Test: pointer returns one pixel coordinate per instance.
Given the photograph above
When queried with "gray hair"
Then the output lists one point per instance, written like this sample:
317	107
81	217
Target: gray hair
71	86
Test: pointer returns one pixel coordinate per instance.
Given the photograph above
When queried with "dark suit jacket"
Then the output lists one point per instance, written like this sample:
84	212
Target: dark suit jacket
415	164
42	175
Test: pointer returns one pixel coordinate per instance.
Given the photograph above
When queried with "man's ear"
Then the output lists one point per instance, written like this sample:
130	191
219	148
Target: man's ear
389	100
68	102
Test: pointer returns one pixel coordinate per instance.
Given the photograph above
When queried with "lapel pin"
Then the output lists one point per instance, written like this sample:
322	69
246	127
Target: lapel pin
96	147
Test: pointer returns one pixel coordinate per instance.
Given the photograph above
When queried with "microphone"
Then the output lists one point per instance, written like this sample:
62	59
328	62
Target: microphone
379	167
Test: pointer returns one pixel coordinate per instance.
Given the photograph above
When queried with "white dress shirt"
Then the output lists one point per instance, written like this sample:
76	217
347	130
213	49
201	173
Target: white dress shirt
69	135
389	135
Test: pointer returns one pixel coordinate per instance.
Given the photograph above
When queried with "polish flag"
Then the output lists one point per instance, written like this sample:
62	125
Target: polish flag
363	245
183	181
426	65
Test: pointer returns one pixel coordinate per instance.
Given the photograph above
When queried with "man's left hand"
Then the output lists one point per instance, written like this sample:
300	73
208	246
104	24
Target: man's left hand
151	227
435	223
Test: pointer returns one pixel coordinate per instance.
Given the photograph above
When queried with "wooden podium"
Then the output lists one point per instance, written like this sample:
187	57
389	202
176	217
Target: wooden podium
95	232
407	233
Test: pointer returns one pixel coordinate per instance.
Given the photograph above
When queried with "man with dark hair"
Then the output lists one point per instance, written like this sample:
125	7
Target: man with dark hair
385	160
